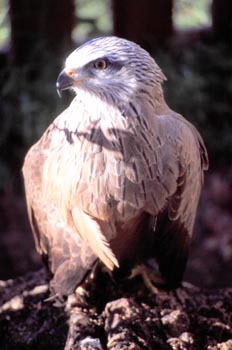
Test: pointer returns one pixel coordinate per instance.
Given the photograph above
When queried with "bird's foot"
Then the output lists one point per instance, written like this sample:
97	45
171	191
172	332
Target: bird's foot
151	278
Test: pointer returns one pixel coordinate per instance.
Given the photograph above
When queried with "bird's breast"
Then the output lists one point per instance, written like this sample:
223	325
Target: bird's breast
99	170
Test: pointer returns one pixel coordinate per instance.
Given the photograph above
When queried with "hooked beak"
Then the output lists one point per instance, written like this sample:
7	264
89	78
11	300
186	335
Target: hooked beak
64	81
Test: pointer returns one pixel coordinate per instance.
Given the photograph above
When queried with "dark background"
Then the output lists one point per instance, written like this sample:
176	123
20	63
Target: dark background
195	56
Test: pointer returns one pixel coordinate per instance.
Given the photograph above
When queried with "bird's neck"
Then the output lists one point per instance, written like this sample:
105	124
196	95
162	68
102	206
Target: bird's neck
147	103
91	110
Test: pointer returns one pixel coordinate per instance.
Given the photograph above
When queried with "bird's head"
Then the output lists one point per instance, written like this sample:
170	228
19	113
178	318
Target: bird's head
111	68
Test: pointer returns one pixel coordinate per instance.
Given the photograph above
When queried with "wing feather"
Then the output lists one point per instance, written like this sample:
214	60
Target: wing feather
175	223
90	231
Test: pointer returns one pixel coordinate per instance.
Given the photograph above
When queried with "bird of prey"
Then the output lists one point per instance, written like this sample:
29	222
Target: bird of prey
117	176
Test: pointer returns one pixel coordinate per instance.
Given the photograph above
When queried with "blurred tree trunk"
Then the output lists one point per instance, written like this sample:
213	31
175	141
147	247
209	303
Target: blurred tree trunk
222	20
146	22
39	27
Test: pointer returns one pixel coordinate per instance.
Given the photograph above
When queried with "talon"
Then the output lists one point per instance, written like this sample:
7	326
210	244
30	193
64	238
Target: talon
149	277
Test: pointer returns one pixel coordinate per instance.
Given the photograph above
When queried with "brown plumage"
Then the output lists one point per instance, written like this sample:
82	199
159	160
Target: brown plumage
117	176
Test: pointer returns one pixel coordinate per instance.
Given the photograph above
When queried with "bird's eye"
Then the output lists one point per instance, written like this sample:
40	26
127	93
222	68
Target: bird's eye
100	64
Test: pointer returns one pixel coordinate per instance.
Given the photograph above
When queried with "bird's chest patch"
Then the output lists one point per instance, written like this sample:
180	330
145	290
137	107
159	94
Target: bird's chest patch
98	167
